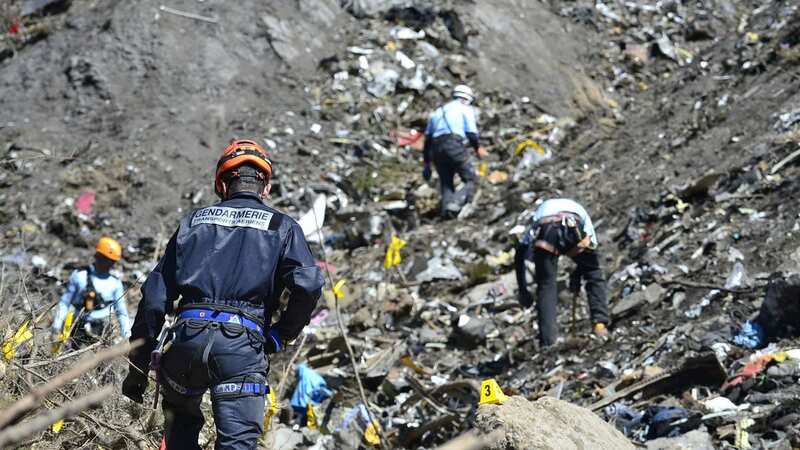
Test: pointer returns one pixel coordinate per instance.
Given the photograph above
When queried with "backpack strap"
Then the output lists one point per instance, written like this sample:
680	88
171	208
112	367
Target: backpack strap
89	283
444	117
101	301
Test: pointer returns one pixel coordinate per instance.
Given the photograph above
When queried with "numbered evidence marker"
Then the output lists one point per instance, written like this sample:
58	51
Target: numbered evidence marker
491	393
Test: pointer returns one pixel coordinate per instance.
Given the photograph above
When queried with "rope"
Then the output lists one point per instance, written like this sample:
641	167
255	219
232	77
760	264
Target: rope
343	332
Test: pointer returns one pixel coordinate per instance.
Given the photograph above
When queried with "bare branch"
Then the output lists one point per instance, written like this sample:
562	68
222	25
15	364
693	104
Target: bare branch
62	357
361	393
42	421
285	374
34	398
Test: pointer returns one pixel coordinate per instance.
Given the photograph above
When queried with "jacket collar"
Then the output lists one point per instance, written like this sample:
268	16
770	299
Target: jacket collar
245	194
97	274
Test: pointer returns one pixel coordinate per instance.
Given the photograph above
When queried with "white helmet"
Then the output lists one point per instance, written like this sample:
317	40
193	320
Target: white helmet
465	92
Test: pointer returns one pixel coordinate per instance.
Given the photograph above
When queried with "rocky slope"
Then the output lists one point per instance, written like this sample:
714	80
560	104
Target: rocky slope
675	124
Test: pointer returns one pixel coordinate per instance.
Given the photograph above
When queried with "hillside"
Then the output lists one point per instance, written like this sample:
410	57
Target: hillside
676	125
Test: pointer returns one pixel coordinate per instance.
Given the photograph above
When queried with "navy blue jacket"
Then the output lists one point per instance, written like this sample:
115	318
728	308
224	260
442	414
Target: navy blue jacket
239	253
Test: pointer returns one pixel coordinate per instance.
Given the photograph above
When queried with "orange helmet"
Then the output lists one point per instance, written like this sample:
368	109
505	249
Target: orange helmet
240	152
109	248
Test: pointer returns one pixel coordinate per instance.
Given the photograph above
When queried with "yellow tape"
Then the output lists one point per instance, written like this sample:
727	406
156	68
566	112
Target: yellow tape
409	362
20	336
62	338
57	426
337	288
371	435
311	417
272	410
684	54
393	257
742	439
528	143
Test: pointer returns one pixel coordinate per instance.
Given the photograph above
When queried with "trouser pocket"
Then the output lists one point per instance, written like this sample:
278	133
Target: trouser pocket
186	360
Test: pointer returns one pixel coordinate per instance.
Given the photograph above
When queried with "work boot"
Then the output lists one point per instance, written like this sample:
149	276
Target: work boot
451	211
600	330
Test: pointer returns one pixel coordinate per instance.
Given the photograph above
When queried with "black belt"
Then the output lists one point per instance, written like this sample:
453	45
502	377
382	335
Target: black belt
566	219
448	137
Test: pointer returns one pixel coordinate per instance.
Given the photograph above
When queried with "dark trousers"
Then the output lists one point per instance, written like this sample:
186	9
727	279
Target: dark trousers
450	158
81	337
565	238
206	355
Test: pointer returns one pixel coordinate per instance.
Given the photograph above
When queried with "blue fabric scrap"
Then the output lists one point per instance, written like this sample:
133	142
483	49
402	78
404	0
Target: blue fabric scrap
751	336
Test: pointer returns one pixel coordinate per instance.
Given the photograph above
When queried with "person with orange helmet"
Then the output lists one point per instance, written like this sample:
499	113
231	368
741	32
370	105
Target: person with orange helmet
92	292
227	265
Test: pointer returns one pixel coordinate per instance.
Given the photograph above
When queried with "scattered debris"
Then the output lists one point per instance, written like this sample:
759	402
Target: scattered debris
188	15
678	130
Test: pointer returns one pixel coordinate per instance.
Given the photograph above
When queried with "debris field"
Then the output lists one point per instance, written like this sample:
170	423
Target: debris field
676	123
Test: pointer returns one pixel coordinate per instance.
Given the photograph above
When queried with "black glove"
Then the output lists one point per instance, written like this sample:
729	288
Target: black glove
525	298
272	342
134	385
426	172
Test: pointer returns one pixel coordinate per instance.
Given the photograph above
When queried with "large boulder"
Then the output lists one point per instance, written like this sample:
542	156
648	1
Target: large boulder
780	312
548	424
693	440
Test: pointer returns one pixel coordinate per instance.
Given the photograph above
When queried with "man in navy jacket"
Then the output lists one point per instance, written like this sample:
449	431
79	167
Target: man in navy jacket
227	264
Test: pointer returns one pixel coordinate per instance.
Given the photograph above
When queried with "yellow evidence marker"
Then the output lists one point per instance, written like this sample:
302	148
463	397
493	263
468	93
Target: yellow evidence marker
491	393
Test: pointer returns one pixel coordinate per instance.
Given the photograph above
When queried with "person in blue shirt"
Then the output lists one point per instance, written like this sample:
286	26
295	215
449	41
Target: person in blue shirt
561	226
92	293
448	127
227	265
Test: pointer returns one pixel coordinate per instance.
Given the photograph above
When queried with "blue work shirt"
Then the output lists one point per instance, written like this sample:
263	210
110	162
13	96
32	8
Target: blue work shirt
454	117
111	295
554	206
